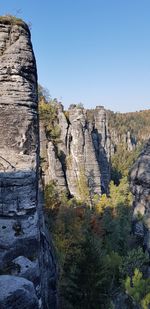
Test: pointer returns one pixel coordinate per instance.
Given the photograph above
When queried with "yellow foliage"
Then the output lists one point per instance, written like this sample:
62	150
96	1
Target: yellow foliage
146	301
139	290
102	204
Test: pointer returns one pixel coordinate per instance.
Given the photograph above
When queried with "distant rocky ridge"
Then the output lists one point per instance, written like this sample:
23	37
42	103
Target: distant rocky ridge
132	128
27	264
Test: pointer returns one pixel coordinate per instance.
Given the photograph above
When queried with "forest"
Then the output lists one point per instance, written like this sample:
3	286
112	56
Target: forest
101	263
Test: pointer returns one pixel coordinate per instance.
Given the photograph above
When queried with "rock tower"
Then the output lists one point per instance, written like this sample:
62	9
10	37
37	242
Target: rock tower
27	265
80	160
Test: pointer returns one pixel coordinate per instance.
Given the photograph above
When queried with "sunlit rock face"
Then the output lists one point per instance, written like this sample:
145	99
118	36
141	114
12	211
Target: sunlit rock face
24	248
80	160
86	142
140	186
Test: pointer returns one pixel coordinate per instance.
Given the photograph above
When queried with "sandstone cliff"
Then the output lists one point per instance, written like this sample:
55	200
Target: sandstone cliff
79	162
27	266
140	186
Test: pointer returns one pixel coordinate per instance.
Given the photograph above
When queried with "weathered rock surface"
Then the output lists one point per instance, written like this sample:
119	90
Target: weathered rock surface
24	247
88	140
80	161
140	186
17	293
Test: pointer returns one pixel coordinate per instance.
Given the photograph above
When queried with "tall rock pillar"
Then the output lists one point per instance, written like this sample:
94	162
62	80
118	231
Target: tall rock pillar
26	262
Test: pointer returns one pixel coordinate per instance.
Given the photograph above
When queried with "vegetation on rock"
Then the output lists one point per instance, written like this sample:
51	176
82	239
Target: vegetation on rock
13	20
48	110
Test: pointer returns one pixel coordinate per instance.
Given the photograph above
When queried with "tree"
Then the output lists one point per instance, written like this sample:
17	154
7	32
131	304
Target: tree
48	113
43	93
138	289
135	259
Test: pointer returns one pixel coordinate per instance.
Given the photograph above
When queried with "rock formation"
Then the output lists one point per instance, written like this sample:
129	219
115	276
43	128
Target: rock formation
88	140
27	266
140	186
125	139
80	160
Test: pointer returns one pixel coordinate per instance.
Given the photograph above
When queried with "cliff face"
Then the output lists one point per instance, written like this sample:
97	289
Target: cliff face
27	265
80	160
83	155
88	140
140	186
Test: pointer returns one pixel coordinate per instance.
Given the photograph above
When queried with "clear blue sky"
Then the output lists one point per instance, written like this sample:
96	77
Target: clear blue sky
92	51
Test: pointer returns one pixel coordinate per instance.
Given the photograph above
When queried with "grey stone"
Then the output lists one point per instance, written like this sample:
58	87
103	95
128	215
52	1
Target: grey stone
83	151
23	267
22	229
17	293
